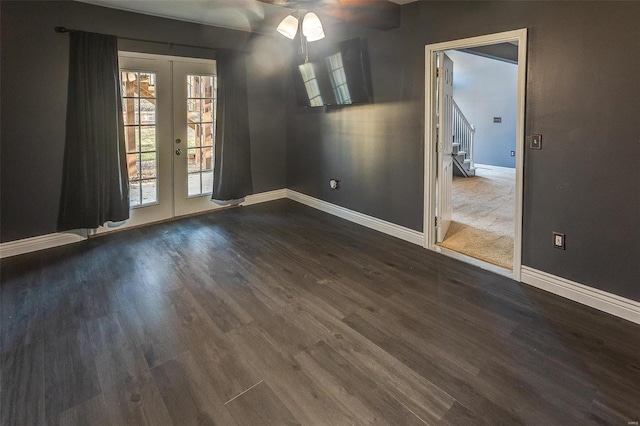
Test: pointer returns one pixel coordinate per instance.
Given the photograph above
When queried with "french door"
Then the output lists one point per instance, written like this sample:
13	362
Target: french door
194	124
169	109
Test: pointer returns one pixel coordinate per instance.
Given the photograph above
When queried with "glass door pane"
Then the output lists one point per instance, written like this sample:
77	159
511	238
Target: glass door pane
139	110
201	102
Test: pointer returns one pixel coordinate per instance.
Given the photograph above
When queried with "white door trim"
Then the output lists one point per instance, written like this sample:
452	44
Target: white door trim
430	128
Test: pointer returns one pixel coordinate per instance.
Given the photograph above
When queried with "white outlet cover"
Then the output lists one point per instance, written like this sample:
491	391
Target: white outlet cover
558	240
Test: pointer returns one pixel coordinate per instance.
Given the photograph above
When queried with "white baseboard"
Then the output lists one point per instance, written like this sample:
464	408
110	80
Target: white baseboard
490	166
263	197
598	299
380	225
41	242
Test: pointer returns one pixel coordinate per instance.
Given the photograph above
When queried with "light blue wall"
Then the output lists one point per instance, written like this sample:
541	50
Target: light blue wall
485	88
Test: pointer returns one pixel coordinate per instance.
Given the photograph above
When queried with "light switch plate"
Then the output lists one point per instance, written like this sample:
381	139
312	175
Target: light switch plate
536	142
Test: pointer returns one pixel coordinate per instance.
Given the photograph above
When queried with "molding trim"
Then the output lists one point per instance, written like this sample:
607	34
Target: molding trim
263	197
40	242
380	225
598	299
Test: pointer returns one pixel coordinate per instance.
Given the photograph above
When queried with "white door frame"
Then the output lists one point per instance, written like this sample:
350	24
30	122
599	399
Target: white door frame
430	154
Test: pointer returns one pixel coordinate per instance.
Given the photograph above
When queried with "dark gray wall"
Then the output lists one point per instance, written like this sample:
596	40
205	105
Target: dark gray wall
583	95
373	149
34	94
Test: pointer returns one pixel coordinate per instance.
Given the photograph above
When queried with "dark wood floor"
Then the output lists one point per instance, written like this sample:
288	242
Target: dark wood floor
280	314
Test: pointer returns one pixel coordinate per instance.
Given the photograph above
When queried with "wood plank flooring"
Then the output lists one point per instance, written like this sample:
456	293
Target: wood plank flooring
278	314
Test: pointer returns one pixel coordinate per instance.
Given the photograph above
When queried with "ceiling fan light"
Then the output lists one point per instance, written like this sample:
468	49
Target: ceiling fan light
312	27
288	27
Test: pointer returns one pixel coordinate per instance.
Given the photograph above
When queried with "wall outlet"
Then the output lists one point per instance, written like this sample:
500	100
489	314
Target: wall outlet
558	240
513	153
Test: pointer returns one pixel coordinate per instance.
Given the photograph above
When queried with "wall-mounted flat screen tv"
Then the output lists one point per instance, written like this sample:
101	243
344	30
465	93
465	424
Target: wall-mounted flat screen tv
340	77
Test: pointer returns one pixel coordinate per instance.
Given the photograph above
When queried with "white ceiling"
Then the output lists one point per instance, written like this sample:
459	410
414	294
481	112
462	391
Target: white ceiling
245	15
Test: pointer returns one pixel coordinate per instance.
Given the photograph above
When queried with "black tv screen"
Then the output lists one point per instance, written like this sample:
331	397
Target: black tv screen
341	76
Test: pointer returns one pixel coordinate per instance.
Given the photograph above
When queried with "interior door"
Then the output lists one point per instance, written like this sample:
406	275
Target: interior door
445	145
194	123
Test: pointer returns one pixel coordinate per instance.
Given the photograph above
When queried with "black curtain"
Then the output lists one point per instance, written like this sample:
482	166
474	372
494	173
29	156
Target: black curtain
232	170
95	186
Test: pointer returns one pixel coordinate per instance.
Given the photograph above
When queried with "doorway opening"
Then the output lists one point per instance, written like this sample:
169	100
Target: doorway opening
474	141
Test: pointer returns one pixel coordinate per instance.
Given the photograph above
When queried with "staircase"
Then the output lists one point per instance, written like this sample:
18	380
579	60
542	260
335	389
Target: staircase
463	135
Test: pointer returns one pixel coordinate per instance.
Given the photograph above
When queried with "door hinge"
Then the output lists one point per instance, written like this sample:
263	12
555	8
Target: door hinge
436	222
437	72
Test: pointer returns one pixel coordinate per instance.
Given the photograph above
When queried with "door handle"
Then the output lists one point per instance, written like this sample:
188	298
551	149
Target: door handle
178	151
178	140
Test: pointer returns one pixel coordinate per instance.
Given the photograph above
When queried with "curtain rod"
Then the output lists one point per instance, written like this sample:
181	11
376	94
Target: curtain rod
170	44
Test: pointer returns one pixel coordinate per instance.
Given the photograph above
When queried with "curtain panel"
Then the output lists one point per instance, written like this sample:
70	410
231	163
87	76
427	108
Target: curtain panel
232	178
95	186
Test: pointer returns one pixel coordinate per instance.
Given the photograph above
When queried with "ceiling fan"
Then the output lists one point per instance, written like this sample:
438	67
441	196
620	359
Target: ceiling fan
376	14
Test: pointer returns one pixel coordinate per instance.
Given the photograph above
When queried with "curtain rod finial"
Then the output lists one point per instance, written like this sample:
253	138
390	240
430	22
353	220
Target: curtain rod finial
61	30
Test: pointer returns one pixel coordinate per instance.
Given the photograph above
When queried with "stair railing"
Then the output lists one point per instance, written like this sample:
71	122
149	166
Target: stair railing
463	133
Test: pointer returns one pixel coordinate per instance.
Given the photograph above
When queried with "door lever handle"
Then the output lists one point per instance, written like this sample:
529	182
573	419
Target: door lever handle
178	151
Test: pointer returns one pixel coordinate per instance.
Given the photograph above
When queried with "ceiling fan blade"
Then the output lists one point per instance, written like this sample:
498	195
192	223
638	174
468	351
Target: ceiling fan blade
377	14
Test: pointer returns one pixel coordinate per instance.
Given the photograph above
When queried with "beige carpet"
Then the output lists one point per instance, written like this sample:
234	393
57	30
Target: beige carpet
483	215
